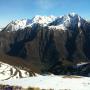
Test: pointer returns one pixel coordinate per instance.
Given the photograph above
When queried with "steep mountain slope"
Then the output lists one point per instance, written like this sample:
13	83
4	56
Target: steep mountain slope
48	44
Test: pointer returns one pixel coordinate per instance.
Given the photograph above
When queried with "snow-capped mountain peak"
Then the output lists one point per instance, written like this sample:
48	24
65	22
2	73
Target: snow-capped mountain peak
21	24
17	24
73	14
61	22
43	20
69	20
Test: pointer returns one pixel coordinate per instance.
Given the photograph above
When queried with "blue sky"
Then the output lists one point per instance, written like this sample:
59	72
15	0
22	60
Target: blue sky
19	9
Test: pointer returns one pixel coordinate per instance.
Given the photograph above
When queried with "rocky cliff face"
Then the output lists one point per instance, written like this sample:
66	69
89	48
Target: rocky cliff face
51	47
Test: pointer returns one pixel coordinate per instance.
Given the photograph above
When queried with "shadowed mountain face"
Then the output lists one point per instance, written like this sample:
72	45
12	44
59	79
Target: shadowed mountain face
44	49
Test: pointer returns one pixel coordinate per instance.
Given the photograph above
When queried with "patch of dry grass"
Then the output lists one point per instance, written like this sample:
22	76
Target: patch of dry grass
71	76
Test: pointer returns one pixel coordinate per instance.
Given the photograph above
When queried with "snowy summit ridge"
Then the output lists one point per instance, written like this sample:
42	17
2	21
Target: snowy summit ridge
61	22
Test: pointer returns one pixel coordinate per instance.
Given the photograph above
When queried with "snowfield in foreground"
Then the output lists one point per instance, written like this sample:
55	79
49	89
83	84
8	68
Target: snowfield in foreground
52	82
7	72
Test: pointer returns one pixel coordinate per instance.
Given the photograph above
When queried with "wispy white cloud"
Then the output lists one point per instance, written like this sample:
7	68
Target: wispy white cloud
45	4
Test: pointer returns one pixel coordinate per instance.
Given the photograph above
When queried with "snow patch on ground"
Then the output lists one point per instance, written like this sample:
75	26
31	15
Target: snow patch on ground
82	63
7	72
52	82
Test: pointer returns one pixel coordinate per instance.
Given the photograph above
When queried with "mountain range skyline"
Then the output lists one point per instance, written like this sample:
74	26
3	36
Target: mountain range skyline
60	22
47	44
44	45
18	9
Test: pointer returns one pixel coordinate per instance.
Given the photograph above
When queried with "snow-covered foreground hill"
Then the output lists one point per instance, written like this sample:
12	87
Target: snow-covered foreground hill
52	82
14	76
8	71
